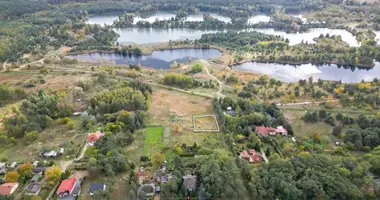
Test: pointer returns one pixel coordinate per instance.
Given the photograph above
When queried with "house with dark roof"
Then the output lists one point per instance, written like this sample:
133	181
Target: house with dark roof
33	189
93	137
8	189
190	182
69	189
39	169
36	177
96	187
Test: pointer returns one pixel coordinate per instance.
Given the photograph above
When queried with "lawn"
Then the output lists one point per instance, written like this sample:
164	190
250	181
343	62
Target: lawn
153	140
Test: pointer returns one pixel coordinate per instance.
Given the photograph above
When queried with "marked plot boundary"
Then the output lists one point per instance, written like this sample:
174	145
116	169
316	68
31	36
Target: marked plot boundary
205	130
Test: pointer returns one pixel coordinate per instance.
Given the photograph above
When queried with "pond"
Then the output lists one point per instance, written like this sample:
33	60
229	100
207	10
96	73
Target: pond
290	73
157	35
158	59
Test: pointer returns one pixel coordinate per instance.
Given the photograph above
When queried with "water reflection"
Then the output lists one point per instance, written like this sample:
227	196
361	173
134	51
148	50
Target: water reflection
290	73
158	59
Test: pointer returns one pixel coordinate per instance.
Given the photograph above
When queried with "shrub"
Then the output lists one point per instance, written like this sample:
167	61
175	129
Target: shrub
70	125
30	137
196	68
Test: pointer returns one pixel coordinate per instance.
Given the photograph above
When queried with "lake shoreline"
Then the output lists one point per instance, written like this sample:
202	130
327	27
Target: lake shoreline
148	50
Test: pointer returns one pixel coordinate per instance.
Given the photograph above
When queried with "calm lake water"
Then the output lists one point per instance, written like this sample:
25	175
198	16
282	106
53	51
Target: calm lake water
290	73
158	59
157	35
257	19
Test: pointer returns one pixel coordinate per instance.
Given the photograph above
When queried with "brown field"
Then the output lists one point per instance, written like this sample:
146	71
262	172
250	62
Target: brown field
58	82
14	78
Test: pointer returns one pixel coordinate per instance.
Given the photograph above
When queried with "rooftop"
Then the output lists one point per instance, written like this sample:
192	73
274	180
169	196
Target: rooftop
96	187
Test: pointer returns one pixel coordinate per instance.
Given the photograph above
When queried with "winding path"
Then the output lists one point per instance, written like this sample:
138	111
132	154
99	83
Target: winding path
5	66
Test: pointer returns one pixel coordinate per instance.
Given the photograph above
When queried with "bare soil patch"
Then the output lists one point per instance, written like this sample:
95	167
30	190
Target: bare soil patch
14	78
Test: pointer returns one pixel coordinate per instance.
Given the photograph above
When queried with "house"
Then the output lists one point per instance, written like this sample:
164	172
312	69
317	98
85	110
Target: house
93	137
8	189
33	189
148	189
271	131
281	130
261	130
96	187
265	131
3	169
69	189
189	182
251	156
39	169
36	177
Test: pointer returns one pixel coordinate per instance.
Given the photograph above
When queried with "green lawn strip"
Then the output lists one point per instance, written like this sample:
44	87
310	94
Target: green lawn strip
153	140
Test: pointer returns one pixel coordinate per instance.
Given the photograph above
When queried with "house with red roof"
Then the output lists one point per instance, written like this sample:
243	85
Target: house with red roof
261	130
281	130
265	131
251	155
93	137
8	189
69	189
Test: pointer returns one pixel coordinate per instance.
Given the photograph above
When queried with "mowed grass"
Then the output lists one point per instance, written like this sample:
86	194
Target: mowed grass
153	140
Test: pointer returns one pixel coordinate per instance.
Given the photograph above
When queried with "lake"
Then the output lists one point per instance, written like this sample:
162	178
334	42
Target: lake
257	19
157	35
296	38
290	73
158	59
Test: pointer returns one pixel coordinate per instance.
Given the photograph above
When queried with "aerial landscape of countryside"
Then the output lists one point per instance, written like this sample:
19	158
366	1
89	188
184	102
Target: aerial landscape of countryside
189	99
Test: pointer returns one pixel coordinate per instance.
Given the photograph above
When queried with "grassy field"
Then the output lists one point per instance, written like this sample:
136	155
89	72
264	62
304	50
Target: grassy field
153	140
205	123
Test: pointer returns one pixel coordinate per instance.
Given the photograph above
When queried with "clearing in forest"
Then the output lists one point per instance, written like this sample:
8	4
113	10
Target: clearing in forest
153	140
